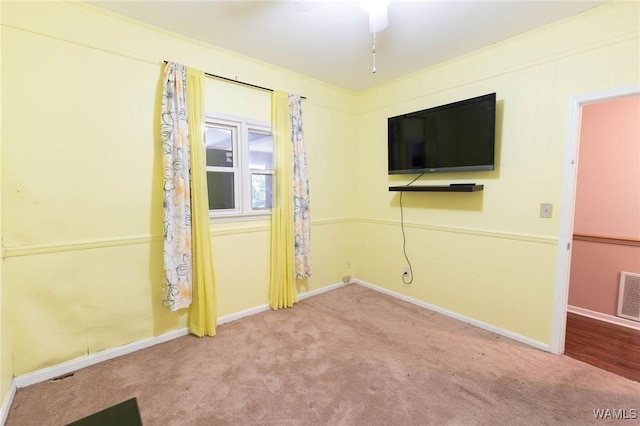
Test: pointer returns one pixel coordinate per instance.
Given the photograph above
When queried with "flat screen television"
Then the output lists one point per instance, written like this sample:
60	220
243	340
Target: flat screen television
455	137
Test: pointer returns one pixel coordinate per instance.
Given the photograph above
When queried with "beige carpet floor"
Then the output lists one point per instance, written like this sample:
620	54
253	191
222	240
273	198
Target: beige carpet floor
351	356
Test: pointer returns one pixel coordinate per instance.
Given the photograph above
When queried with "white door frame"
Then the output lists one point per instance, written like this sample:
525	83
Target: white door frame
569	178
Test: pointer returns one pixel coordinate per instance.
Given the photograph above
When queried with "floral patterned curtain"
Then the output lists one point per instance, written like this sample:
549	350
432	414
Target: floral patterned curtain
174	135
290	237
301	220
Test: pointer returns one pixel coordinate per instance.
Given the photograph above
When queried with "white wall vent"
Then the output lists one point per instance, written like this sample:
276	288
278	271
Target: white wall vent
629	296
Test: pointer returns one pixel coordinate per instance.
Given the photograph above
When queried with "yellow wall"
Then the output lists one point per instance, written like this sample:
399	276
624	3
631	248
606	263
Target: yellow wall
488	255
82	181
6	365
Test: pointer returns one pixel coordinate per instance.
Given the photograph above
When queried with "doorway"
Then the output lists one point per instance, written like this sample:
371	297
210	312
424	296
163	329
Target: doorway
567	211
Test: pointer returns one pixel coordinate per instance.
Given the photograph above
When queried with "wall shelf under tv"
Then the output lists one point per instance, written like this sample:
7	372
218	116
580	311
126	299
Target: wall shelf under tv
454	187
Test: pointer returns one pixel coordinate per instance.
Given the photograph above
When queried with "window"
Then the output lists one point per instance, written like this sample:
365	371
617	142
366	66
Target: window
239	166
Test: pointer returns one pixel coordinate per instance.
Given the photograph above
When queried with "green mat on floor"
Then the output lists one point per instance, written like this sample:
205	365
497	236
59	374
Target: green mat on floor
124	414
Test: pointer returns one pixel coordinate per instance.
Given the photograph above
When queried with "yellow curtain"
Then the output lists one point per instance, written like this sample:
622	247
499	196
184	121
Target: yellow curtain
282	289
202	313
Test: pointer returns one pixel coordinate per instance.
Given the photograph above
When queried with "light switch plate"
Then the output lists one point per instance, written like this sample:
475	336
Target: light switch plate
546	210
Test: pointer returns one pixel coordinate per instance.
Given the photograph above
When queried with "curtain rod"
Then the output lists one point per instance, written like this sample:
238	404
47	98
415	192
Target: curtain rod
239	82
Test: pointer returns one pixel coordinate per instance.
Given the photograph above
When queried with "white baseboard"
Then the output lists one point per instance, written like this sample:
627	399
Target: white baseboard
256	310
246	313
107	354
604	317
6	404
506	333
321	290
94	358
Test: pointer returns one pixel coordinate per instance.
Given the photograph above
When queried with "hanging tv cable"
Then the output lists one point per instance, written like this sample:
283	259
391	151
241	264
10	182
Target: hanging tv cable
406	281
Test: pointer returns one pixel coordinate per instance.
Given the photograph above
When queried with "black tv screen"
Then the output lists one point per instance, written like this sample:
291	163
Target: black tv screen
459	136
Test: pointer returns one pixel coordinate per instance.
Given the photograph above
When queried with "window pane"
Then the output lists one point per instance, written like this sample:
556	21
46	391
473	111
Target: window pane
220	189
260	151
219	143
261	190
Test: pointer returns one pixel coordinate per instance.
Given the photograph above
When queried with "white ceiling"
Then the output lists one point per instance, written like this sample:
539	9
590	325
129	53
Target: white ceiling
330	40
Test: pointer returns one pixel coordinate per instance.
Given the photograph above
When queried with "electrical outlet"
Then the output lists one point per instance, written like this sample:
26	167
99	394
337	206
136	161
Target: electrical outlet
346	279
406	271
348	264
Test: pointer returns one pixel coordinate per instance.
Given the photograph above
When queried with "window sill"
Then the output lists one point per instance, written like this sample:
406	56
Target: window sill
240	217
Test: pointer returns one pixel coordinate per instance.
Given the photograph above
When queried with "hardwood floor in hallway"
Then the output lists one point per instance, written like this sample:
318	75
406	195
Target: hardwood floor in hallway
608	346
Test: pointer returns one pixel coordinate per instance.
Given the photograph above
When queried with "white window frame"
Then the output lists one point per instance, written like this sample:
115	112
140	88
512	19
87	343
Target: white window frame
240	127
